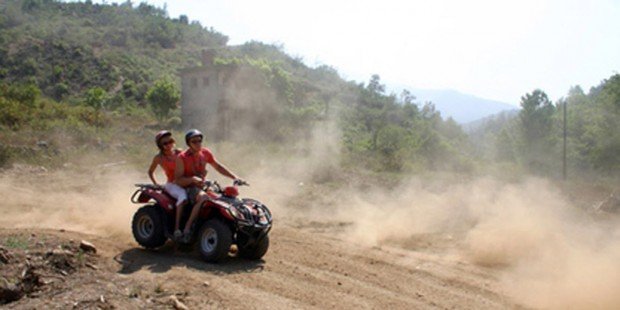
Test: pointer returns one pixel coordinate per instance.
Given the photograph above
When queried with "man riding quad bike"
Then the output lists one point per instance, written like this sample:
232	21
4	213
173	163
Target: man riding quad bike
223	220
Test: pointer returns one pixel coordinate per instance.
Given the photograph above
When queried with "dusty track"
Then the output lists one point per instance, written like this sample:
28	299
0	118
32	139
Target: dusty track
479	245
302	270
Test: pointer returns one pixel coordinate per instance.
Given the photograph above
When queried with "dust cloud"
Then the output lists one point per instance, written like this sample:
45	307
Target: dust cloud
92	202
549	254
546	252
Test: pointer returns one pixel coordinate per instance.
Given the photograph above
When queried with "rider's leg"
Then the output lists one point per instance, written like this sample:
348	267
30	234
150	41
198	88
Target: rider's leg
200	198
177	222
180	195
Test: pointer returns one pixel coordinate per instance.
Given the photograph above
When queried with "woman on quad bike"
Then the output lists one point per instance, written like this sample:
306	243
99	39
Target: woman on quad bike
190	173
167	159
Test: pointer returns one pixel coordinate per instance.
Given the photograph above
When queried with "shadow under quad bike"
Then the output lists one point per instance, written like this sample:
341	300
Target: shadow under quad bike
224	220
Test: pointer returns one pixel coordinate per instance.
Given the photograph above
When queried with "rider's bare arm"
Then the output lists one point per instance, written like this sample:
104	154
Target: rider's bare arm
181	180
223	170
154	163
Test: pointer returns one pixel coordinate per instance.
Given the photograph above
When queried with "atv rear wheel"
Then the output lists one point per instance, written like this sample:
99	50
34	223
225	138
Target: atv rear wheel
214	240
257	251
148	228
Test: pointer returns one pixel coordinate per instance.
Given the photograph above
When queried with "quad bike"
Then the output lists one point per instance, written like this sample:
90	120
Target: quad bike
224	220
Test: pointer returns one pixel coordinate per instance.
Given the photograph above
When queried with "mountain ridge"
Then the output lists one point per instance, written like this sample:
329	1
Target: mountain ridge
461	107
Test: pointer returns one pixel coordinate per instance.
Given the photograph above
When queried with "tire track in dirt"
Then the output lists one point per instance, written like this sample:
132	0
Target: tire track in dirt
335	274
302	270
307	266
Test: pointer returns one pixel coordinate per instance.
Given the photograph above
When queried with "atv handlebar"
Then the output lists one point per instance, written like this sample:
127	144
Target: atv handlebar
216	187
208	184
240	182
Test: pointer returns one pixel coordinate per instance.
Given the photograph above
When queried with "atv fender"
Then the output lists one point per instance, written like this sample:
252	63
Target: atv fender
209	207
163	200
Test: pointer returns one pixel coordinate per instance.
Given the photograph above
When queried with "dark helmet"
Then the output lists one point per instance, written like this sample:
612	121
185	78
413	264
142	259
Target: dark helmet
160	135
192	133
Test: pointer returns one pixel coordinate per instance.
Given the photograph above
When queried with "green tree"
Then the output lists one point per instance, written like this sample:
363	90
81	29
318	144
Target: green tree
183	19
536	121
163	97
611	91
394	146
26	94
504	146
60	90
97	98
606	147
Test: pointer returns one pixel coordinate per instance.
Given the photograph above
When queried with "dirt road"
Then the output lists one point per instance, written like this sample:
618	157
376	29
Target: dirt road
303	269
480	244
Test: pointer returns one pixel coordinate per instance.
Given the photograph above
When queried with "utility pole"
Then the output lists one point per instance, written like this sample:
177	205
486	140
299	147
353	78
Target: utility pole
564	152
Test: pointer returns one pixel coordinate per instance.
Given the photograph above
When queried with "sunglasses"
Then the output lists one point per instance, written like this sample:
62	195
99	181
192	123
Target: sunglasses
195	141
168	142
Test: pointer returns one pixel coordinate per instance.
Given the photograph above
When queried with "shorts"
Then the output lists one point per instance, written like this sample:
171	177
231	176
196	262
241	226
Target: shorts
177	192
192	192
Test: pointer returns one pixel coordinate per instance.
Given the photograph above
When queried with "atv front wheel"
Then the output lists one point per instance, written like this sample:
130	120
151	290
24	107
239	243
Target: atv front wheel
257	251
148	228
214	240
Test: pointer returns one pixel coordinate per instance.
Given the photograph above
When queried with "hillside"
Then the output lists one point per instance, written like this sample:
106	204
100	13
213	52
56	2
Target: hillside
67	48
102	60
79	68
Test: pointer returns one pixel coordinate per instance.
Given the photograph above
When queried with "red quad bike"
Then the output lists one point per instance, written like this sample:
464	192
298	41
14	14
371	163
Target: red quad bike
224	220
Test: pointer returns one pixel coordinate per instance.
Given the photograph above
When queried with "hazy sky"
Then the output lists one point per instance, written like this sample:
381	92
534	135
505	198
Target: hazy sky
489	48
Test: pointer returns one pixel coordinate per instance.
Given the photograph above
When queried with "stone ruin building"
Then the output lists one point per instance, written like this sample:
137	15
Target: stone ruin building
203	100
230	101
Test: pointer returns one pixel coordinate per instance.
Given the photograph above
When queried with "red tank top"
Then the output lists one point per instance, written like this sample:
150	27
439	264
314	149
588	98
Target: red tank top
194	164
169	164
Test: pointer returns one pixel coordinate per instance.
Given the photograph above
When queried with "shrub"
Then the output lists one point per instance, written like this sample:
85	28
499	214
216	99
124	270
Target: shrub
163	97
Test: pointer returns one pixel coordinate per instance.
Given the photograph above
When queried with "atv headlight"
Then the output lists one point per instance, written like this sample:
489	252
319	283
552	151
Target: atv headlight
236	214
262	218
